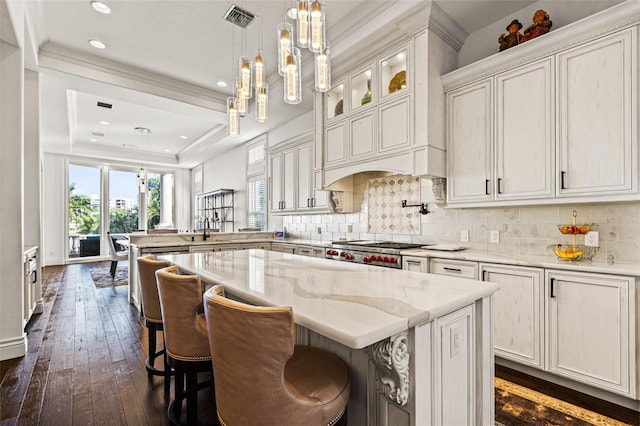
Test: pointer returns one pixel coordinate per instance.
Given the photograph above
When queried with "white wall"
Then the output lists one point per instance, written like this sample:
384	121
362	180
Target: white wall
484	42
229	171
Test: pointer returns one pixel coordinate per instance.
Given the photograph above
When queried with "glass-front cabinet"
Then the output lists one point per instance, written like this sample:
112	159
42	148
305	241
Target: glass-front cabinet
215	209
393	73
368	113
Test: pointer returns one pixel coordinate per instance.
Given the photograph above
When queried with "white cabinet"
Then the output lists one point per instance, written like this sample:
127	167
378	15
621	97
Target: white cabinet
598	98
283	248
469	117
557	129
415	263
518	312
281	173
32	292
524	142
291	181
591	333
310	251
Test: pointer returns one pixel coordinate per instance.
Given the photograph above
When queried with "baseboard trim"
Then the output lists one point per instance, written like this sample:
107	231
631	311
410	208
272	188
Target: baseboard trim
13	348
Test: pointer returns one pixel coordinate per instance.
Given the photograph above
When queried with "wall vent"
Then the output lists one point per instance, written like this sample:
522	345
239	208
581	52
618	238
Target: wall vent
238	16
104	105
97	134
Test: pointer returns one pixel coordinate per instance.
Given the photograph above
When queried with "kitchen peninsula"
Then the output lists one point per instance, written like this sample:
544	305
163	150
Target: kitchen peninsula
419	345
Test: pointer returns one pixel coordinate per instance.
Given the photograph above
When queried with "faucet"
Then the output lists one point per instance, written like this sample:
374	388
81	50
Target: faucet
205	226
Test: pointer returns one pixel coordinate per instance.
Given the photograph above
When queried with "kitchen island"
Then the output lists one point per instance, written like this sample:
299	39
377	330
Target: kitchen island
419	346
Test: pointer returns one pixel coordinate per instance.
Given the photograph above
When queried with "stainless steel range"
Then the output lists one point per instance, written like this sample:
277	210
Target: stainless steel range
379	253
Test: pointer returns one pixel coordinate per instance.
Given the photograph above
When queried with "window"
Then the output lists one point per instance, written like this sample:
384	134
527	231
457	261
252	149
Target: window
256	186
123	202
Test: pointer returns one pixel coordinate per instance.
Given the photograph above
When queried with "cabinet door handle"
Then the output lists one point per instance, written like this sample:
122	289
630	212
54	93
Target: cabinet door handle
35	277
563	174
313	202
553	281
486	186
452	269
499	185
484	275
308	202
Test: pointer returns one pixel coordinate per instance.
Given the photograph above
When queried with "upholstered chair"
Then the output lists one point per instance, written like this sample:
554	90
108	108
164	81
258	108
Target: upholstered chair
115	255
186	338
262	377
147	268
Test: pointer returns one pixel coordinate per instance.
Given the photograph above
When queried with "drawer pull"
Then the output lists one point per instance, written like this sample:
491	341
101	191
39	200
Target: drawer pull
452	269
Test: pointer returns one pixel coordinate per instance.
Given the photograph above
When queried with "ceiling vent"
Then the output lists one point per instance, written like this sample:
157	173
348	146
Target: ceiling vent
238	16
97	134
104	105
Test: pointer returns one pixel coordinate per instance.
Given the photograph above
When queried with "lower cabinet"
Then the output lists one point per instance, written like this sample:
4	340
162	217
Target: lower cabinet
591	333
414	263
455	268
518	312
309	251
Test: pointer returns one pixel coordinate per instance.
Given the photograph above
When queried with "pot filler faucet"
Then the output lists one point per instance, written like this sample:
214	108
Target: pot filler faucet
205	226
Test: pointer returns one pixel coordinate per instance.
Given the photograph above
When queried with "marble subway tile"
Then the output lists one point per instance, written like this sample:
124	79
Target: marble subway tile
540	215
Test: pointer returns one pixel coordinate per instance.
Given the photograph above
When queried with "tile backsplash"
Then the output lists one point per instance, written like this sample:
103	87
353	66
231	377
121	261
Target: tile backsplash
384	201
524	230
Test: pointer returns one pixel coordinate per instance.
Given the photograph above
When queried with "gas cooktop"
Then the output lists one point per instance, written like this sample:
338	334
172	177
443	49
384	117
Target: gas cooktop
376	244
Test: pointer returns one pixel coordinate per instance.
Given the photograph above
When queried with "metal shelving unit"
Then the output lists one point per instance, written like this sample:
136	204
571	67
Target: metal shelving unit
217	206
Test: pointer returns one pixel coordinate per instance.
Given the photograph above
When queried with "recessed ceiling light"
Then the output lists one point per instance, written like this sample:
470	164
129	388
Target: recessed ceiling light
104	123
222	83
167	150
183	137
93	140
101	7
97	44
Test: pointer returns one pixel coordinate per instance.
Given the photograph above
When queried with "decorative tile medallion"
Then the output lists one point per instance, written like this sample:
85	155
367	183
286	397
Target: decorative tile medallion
384	200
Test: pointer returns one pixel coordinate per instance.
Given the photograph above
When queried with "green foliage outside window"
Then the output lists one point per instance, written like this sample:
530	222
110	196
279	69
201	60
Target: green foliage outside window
83	217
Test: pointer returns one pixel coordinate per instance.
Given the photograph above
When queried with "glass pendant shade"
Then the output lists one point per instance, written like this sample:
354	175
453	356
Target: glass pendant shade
317	39
258	66
142	180
262	100
323	71
241	99
233	117
292	83
285	40
245	76
303	23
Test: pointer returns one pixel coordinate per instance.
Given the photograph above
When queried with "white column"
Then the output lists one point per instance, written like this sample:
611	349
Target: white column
13	340
166	201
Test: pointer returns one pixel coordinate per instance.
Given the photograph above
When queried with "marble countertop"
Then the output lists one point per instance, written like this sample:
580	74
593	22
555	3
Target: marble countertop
550	262
356	305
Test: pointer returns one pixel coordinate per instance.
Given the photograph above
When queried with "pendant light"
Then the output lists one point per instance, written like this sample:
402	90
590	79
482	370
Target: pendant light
292	83
258	66
262	101
317	38
285	43
323	70
245	77
233	118
241	99
142	174
303	23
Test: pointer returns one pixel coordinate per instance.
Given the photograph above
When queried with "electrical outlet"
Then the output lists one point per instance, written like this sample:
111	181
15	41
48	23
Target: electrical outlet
464	236
494	236
591	239
319	230
349	229
454	341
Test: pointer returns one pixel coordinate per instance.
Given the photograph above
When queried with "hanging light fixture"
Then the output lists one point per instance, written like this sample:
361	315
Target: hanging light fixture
142	174
285	43
317	32
323	70
258	66
262	101
233	118
292	83
303	23
245	76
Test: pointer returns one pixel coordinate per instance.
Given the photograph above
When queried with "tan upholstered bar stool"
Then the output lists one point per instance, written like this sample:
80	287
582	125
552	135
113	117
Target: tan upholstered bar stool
147	268
262	377
186	338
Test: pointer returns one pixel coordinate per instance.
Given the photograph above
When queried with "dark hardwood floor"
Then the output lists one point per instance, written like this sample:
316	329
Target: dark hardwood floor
85	361
85	364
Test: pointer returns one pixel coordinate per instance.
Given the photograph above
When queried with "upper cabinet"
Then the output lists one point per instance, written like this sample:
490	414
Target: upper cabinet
291	180
598	120
528	127
386	113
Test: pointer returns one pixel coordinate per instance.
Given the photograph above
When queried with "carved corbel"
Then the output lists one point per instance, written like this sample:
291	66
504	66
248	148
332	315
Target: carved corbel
391	358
